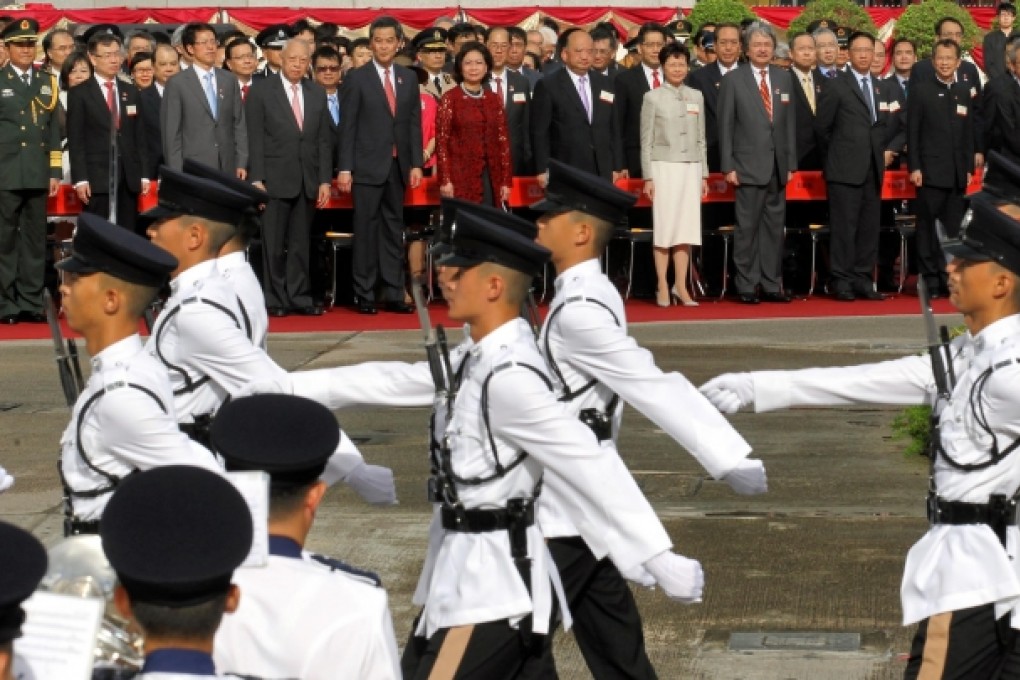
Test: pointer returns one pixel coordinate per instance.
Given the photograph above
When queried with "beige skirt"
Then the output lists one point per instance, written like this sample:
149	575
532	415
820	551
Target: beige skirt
676	210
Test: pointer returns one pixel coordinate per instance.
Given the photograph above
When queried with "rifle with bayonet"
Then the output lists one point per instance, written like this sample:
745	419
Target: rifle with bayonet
68	365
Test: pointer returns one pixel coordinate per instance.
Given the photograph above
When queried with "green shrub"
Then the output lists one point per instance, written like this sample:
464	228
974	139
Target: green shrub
717	12
913	424
918	24
845	13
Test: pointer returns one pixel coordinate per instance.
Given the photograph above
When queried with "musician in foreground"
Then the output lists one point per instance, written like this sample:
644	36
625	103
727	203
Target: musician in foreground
962	578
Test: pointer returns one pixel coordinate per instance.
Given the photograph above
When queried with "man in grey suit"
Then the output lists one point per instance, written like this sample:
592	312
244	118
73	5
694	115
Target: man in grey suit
201	115
758	154
289	131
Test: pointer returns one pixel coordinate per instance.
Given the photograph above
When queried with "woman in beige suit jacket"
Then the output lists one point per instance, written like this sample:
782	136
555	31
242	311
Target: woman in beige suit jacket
673	158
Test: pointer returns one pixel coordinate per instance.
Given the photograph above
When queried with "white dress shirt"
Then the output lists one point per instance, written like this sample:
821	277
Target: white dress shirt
131	426
950	567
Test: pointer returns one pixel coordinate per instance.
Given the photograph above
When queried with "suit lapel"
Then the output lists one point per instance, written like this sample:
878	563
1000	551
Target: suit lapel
574	96
194	81
748	75
95	92
282	97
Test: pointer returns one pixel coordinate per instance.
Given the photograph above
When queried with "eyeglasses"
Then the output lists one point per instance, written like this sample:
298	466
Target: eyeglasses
205	43
327	69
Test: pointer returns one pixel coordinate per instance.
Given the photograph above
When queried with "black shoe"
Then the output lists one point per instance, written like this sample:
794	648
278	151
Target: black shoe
399	308
276	311
747	298
367	307
32	317
310	310
9	319
845	295
869	294
778	296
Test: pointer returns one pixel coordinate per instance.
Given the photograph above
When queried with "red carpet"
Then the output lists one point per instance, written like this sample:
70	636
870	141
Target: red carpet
346	319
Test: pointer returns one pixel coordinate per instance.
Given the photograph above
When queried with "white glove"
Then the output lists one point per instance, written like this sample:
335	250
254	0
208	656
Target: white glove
373	483
639	575
748	478
730	392
681	578
6	480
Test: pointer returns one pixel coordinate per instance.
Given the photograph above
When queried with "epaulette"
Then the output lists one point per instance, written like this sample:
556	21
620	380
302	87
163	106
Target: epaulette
371	578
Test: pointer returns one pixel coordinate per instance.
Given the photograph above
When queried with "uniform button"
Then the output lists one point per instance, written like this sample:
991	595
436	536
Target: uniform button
22	128
24	144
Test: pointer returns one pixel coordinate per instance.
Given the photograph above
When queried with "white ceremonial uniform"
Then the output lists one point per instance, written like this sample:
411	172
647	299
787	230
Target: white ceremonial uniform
951	567
300	618
587	341
199	337
234	267
471	577
129	423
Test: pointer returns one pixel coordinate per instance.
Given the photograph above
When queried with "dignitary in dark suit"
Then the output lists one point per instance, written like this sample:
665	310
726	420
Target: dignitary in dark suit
851	126
994	44
1003	108
941	143
326	65
30	168
904	56
630	87
709	78
288	129
807	89
758	154
240	59
572	115
515	92
202	117
166	64
101	106
380	154
605	42
515	55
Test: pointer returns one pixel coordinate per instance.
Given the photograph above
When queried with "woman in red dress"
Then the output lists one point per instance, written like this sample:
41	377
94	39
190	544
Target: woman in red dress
472	142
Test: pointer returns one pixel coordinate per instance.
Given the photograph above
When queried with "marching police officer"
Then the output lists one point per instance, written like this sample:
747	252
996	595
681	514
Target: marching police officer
124	420
30	169
596	367
200	336
303	615
961	580
22	566
174	537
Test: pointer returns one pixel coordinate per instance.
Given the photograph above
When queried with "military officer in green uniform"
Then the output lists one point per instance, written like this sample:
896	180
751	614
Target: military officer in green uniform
29	170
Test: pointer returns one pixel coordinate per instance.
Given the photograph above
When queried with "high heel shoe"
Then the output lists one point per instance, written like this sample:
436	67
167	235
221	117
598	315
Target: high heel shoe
660	303
680	300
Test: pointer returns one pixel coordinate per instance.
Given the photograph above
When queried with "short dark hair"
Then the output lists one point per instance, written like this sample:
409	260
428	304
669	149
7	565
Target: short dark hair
517	32
459	30
192	30
228	52
860	34
943	20
467	48
674	49
946	42
325	52
47	41
728	24
385	21
358	42
792	38
103	39
73	59
1006	7
900	41
286	500
300	26
194	622
327	29
549	22
138	59
651	27
602	32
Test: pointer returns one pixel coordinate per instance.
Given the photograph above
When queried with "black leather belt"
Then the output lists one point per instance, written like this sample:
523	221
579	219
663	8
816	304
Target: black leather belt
78	527
482	521
998	513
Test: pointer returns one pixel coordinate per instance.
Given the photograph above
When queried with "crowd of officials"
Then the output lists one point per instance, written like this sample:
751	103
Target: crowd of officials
522	439
475	107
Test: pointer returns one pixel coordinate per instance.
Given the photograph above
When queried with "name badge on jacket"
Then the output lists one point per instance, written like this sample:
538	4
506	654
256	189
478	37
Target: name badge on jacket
961	110
693	109
607	97
520	98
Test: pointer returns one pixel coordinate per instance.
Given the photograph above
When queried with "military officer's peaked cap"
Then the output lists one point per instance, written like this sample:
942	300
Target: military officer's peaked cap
988	234
101	246
430	39
681	28
175	534
843	36
273	37
22	565
21	30
573	189
451	207
102	29
477	240
184	194
289	437
1002	178
258	196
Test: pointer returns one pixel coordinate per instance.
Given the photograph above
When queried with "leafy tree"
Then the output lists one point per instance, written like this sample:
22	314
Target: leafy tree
717	12
845	13
918	24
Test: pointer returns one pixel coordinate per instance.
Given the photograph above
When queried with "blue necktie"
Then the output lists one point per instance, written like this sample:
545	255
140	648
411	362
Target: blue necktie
210	92
334	109
866	91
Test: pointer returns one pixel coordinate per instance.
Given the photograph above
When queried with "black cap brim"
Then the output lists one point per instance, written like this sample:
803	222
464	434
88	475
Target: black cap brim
547	205
965	251
452	259
156	214
76	265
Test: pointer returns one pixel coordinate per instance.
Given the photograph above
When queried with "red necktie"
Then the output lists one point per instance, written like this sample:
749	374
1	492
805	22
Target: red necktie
764	89
244	93
111	103
391	95
499	89
655	79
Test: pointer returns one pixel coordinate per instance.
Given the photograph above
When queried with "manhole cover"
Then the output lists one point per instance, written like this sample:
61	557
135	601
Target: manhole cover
811	641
